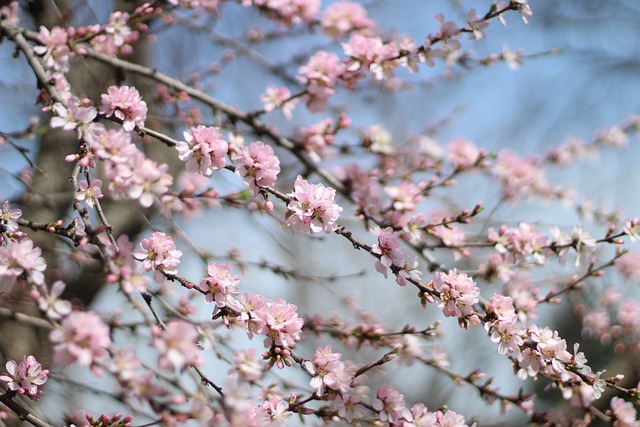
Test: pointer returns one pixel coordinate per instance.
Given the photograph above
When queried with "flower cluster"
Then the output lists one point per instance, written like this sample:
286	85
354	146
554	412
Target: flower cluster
19	261
204	149
25	377
277	320
125	104
523	177
177	346
329	372
312	208
320	74
82	337
257	165
346	17
55	48
130	172
159	253
519	245
220	285
287	12
456	295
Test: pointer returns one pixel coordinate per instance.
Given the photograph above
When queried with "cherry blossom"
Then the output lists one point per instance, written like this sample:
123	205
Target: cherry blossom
9	216
204	149
20	260
312	208
320	74
177	346
159	253
457	293
220	285
345	17
82	337
54	49
25	377
90	193
275	97
257	165
125	104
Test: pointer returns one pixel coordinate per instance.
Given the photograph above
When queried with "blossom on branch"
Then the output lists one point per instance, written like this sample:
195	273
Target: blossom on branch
457	293
177	346
257	165
124	103
20	261
159	253
204	150
25	377
83	337
312	208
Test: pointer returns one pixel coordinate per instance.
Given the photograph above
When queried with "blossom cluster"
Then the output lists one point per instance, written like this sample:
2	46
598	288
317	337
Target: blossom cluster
25	377
312	208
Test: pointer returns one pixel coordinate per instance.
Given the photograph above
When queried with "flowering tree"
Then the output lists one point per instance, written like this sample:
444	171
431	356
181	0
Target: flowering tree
179	346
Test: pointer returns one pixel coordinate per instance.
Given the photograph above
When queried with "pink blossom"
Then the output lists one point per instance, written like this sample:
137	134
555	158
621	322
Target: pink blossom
457	293
11	12
329	371
450	419
144	180
349	406
388	247
421	416
251	310
159	253
520	244
204	150
118	28
282	326
113	145
50	303
406	195
312	208
508	335
275	97
522	177
342	18
552	349
220	285
82	337
19	261
288	12
463	153
629	266
320	74
624	413
318	137
90	194
277	409
371	53
246	364
475	25
124	103
391	406
177	346
54	49
73	116
257	165
9	216
26	377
